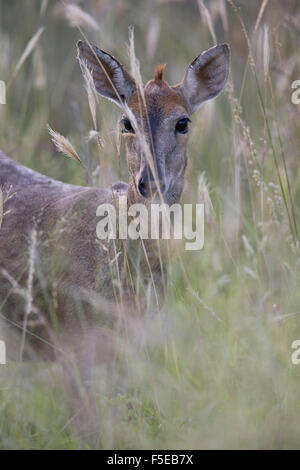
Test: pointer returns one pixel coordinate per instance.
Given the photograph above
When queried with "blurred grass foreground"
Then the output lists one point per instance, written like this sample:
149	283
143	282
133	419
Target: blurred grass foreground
217	370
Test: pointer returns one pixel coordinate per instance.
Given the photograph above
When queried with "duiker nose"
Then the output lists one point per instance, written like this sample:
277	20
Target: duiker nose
147	185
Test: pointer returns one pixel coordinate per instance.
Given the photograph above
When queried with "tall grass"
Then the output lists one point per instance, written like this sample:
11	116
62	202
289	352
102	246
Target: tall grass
217	370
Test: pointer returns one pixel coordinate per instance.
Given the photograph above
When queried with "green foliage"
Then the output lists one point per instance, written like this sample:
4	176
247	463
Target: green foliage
217	371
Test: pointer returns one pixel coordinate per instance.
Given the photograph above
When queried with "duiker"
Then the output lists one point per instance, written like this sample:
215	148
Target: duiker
57	280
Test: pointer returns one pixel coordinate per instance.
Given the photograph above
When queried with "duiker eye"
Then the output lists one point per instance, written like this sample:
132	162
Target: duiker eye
182	125
127	127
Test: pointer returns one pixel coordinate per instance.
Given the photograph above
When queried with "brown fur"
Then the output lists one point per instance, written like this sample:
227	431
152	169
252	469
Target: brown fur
159	72
82	288
159	95
78	302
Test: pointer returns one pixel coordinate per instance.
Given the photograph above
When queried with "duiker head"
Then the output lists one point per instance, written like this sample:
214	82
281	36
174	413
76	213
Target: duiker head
156	124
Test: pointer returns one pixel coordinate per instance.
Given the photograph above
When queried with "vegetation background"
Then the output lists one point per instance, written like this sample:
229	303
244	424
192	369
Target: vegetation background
217	371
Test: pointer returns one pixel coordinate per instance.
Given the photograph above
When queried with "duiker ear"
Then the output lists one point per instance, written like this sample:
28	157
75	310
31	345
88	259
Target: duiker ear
111	79
206	76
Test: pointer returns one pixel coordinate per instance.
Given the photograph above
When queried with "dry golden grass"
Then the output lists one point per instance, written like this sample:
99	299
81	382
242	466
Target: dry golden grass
218	356
63	145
